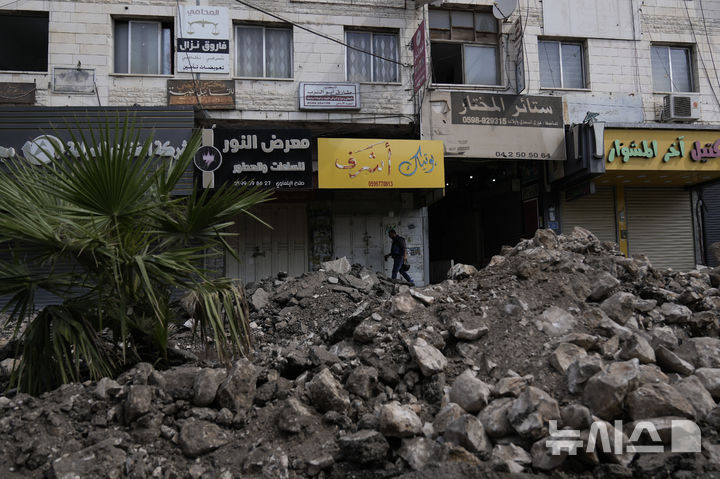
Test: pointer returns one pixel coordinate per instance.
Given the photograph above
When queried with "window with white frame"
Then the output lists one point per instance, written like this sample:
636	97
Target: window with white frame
464	47
372	57
263	52
143	47
672	68
24	40
561	64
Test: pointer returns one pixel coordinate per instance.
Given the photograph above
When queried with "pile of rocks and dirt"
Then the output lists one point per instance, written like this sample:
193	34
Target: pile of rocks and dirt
552	360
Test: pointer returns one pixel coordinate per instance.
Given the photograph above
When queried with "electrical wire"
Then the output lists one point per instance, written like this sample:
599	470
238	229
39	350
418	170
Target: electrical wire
707	39
320	34
13	1
702	60
17	97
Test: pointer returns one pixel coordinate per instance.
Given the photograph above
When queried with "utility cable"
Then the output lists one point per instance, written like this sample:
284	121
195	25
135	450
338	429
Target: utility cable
702	60
707	39
320	34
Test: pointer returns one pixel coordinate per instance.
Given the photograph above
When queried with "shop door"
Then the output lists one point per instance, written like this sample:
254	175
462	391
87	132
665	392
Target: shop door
530	217
360	239
710	214
595	213
266	251
660	226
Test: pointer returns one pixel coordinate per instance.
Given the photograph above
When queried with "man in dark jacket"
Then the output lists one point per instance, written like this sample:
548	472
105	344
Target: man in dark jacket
398	251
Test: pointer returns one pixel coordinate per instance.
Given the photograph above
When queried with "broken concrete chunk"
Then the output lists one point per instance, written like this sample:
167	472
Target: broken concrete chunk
619	307
469	392
338	266
531	411
637	347
672	363
564	355
710	378
555	321
692	389
237	391
603	286
428	358
655	400
461	271
364	447
327	394
495	418
605	392
200	437
467	431
399	421
207	382
675	313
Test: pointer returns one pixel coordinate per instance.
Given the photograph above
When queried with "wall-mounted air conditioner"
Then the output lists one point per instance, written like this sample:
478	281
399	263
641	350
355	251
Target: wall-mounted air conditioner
680	108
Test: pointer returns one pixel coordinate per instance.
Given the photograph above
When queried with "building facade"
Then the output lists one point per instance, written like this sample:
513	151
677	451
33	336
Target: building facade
529	98
638	87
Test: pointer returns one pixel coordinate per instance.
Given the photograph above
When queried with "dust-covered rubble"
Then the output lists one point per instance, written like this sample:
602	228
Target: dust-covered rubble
561	357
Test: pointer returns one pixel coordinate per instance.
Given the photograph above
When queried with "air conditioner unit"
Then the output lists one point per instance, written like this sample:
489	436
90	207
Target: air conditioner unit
680	108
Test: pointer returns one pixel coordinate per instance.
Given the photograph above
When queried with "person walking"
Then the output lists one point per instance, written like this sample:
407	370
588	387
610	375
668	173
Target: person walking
398	251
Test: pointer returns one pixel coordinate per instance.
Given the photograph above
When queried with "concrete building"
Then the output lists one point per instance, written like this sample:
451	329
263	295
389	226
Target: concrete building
638	75
529	98
268	70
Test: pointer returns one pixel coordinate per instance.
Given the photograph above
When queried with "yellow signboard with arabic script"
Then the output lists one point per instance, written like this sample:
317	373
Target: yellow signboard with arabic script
380	164
662	150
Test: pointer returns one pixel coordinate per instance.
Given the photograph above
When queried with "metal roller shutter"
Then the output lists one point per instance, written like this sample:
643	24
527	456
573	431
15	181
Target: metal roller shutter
711	221
660	226
594	212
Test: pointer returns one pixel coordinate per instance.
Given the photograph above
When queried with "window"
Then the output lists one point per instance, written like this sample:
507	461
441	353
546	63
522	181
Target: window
671	68
24	40
143	47
561	64
263	52
372	68
464	47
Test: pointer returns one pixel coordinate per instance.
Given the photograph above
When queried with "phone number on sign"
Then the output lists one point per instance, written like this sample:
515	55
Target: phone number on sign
484	120
523	154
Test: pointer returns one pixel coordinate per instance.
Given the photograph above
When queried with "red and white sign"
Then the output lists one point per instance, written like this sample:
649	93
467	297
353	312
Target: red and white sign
418	42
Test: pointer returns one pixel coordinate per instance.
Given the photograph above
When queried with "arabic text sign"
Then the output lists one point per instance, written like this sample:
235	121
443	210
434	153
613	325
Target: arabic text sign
203	43
329	96
420	68
280	159
213	94
377	163
678	150
506	110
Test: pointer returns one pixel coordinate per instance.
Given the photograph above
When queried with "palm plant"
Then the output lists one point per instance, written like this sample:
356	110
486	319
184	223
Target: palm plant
109	212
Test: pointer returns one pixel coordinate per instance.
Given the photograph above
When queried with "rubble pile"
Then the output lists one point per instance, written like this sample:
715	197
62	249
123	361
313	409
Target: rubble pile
561	357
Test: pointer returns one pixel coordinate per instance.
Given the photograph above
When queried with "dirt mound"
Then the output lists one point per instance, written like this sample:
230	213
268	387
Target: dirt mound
520	369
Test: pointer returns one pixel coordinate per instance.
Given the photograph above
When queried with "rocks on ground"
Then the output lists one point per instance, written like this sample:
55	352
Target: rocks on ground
354	375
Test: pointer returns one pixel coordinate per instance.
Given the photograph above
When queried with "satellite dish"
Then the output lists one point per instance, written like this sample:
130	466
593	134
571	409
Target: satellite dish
502	9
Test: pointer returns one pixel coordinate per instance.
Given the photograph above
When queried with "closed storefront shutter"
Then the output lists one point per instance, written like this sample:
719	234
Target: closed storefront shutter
594	212
711	221
660	226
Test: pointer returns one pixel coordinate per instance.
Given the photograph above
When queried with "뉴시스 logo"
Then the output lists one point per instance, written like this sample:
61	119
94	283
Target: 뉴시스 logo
207	159
684	437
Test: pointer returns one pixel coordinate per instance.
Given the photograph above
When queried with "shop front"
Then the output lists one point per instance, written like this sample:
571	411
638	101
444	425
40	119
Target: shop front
647	198
495	149
274	237
374	185
35	132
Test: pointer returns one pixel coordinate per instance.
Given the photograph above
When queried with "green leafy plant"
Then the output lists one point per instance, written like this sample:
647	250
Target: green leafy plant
100	228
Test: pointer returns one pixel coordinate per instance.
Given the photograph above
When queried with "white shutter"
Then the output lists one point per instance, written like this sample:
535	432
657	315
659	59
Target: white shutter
660	226
594	212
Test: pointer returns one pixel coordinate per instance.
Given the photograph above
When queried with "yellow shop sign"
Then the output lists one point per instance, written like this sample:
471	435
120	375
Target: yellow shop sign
669	150
374	163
